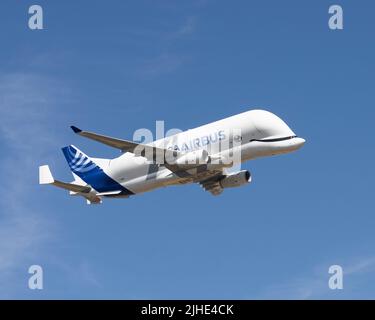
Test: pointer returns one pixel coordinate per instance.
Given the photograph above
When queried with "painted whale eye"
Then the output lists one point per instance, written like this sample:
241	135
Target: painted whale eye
237	138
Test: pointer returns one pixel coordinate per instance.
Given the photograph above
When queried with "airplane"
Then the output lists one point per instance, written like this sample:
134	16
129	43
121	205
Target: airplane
204	155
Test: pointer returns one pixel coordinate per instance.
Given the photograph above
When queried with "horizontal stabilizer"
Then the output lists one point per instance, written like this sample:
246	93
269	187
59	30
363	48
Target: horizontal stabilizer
45	177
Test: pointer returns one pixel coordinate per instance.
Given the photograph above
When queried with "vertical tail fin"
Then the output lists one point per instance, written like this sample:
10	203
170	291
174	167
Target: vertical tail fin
45	175
78	162
85	168
90	172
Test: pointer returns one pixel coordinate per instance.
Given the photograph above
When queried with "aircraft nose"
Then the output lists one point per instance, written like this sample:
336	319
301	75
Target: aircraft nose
299	142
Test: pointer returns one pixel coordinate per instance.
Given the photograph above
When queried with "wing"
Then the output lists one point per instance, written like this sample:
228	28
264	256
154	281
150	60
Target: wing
191	172
150	152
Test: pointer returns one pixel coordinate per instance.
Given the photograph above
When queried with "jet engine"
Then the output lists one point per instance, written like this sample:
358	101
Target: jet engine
236	179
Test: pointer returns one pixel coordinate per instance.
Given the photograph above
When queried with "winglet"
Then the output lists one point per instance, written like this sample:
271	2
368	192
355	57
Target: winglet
75	129
45	175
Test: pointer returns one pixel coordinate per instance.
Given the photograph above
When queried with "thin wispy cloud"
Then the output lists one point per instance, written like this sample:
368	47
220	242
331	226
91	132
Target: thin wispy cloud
187	28
167	61
315	285
361	266
164	32
27	103
162	64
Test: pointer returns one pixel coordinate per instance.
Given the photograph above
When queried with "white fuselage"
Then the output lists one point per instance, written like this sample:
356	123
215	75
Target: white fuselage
252	134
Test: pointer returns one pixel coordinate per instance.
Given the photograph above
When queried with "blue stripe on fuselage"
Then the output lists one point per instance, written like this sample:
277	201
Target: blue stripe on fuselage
91	173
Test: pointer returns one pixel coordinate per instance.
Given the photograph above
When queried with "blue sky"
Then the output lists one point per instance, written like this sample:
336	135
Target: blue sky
117	66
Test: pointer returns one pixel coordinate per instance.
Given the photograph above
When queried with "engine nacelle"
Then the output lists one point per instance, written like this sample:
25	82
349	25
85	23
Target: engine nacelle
195	157
236	179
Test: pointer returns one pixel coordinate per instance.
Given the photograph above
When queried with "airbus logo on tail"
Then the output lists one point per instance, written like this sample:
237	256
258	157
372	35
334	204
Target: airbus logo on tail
78	162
